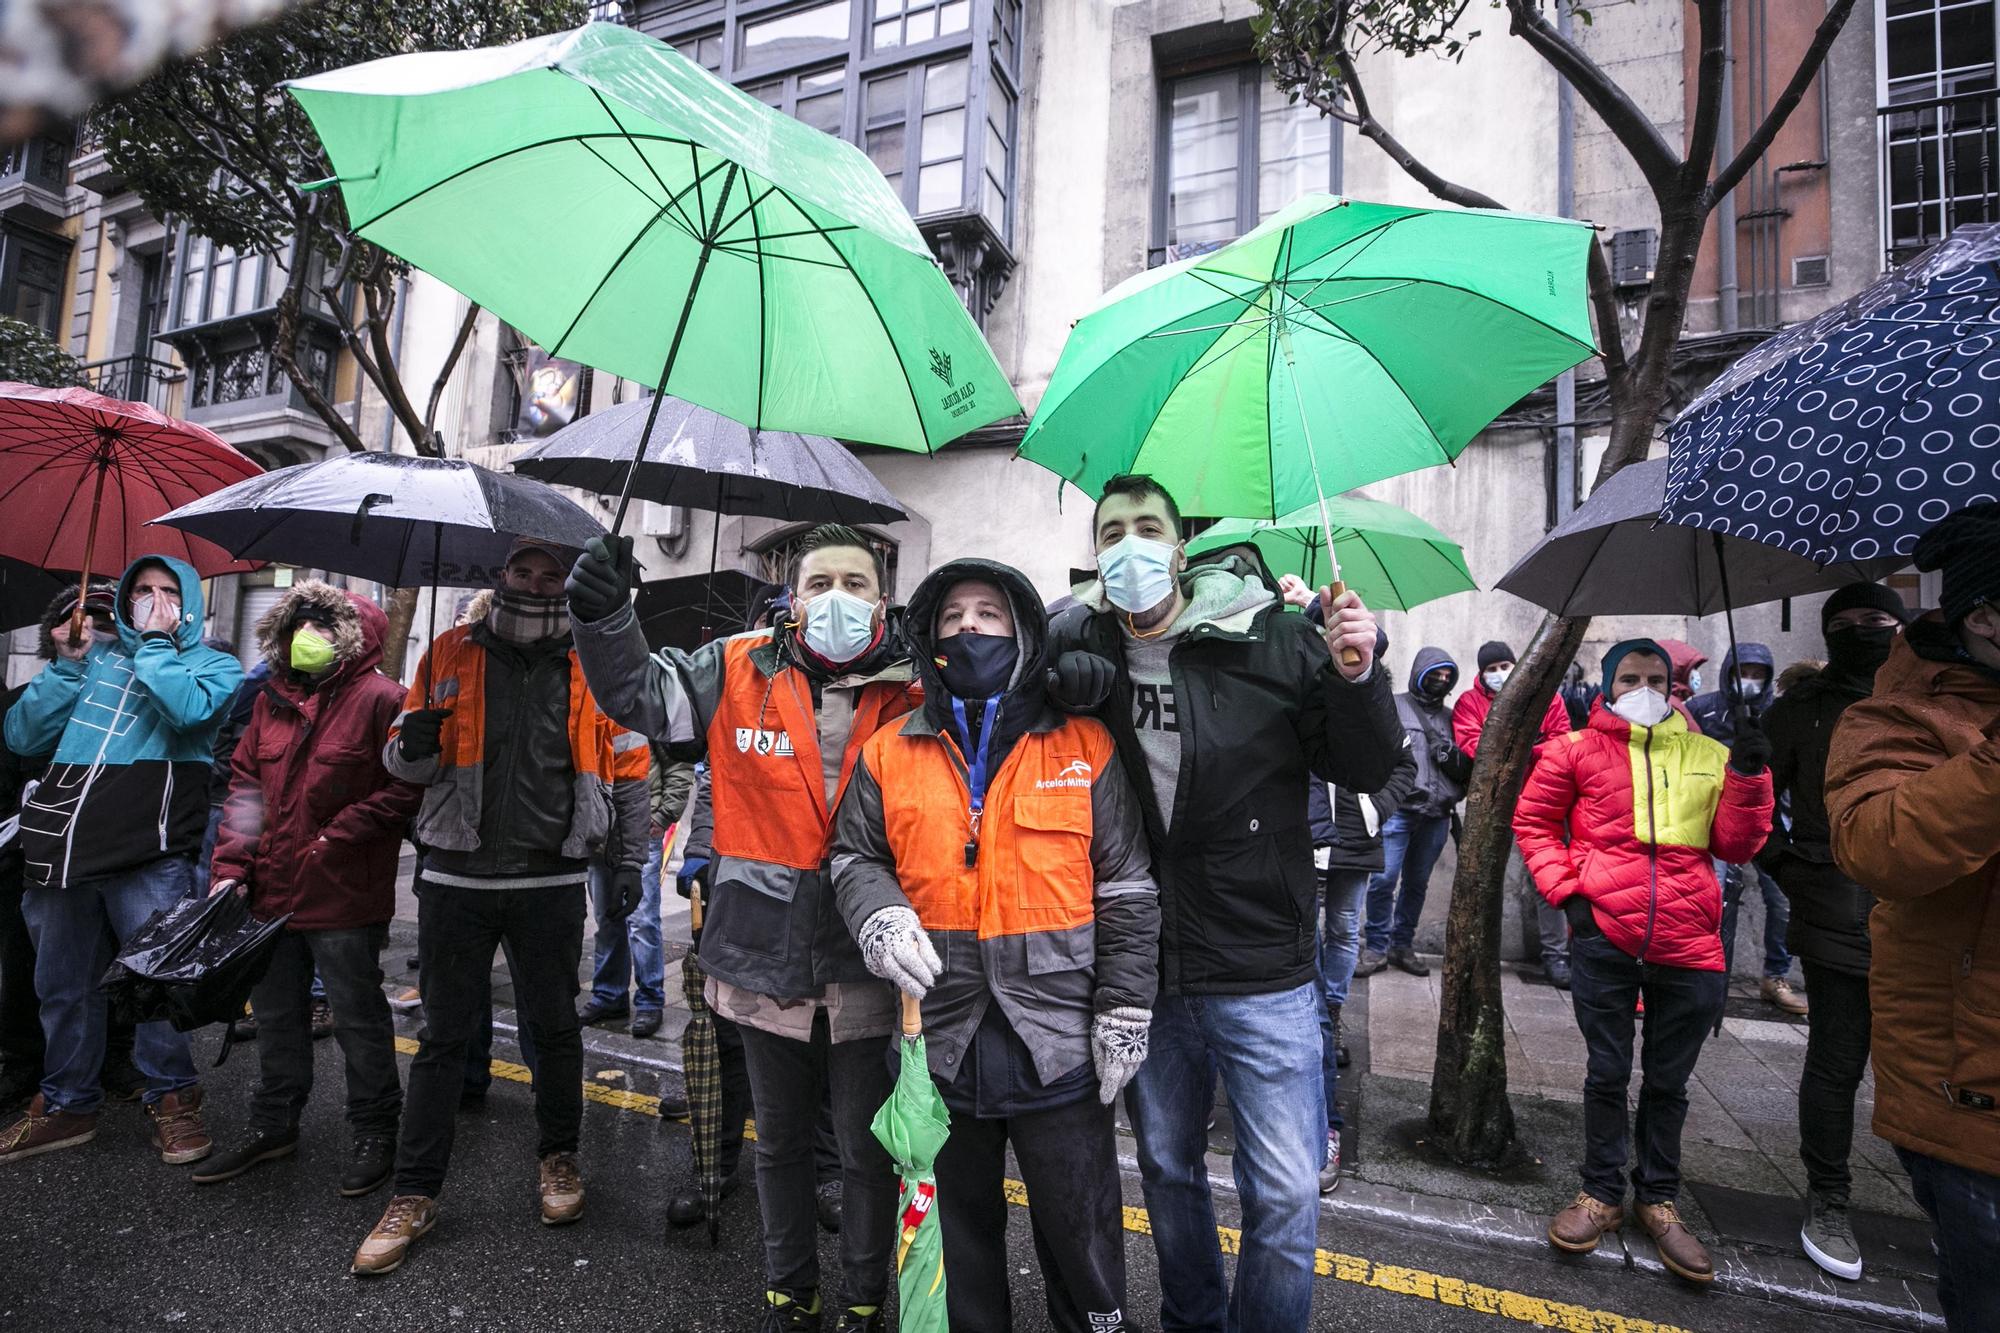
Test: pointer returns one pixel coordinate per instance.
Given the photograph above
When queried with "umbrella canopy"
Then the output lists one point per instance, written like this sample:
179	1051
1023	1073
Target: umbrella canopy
82	474
26	591
1388	555
701	1070
1848	436
912	1126
1339	343
1614	557
705	460
393	518
673	613
733	256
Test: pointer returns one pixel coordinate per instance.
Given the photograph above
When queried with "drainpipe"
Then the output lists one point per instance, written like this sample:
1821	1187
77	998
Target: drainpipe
1566	459
396	359
1726	299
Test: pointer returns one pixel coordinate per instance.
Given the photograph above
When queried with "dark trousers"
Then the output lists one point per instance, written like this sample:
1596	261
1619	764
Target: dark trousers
1964	1208
1069	1162
21	1043
1836	1058
457	933
1682	1004
350	962
788	1081
1777	916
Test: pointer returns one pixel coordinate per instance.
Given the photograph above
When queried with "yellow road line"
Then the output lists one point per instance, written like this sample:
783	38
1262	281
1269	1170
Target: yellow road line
1536	1311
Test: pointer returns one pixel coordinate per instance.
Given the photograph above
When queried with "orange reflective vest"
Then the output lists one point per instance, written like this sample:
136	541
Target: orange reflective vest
1032	870
766	784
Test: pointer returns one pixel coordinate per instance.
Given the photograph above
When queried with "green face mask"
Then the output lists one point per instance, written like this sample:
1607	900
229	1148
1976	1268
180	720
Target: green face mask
310	653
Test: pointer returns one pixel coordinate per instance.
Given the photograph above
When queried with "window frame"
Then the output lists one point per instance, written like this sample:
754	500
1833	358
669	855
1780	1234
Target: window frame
1929	142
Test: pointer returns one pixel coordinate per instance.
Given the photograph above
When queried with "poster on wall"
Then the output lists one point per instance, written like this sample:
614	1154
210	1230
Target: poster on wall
553	394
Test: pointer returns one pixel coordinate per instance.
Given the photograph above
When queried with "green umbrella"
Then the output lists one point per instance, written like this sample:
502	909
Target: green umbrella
1388	555
912	1125
622	207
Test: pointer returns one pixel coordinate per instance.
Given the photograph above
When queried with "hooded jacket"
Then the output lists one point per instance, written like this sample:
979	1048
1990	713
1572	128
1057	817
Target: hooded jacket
1260	710
1468	717
132	727
1438	788
1348	824
1643	862
1913	792
313	821
1058	919
1715	712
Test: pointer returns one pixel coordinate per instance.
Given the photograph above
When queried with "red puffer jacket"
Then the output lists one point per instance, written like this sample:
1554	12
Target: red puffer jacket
313	822
1645	866
1468	717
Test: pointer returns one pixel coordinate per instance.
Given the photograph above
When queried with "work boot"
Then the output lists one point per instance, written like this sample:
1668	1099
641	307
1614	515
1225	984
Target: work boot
861	1319
596	1011
646	1023
1683	1255
1778	993
562	1189
177	1129
1557	971
244	1028
1578	1228
1404	959
1829	1238
265	1145
321	1020
1370	963
685	1208
831	1198
374	1158
673	1105
407	1217
38	1130
788	1312
1329	1167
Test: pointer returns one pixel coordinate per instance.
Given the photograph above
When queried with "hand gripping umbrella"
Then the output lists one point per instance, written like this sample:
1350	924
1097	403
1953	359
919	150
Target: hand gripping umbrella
1391	557
913	1125
701	1064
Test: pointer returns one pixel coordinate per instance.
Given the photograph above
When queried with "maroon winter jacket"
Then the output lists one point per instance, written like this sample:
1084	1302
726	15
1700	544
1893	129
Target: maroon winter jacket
313	822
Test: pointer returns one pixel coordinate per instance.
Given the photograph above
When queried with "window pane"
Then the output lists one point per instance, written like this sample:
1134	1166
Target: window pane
1911	46
708	51
888	34
996	152
793	34
1295	144
770	94
920	27
825	78
883	8
824	111
1965	35
885	149
944	135
944	84
1202	159
888	98
954	17
940	187
224	270
249	270
995	205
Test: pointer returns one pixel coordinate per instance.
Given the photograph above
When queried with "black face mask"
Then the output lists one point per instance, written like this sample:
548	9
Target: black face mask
977	666
1860	650
1435	684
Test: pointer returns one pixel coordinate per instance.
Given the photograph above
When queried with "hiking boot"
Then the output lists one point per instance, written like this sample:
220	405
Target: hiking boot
244	1028
368	1168
1778	993
177	1129
673	1105
1578	1228
788	1313
1370	963
1329	1167
1404	959
1340	1055
829	1202
1829	1238
407	1217
646	1023
406	999
1683	1255
1557	971
596	1011
686	1208
38	1130
264	1146
322	1020
562	1189
121	1080
861	1319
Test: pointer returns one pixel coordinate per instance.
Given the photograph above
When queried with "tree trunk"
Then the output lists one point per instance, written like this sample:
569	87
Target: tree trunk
402	610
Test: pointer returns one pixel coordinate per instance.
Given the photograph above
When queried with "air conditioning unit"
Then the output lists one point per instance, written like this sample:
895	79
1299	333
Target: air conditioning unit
1811	271
665	521
1633	254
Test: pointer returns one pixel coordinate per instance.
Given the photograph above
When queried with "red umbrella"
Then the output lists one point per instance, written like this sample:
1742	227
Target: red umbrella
81	474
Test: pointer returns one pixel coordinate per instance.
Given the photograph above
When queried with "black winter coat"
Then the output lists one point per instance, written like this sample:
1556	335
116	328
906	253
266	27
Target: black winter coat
1342	826
1829	911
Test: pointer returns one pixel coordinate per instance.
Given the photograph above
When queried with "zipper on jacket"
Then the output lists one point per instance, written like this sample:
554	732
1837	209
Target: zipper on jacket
1652	852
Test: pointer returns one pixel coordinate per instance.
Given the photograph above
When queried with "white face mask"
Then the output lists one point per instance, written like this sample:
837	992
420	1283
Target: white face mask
1496	678
1642	707
1750	688
839	626
142	609
1694	680
1138	573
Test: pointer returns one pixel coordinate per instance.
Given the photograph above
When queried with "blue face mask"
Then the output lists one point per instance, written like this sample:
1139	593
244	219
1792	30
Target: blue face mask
839	626
1138	573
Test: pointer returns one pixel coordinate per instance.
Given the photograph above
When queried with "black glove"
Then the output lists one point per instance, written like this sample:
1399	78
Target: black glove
600	583
420	733
1581	921
1751	754
1444	753
627	888
1080	681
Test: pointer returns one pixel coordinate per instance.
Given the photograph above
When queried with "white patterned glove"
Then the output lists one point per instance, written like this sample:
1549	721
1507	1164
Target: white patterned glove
1118	1047
896	949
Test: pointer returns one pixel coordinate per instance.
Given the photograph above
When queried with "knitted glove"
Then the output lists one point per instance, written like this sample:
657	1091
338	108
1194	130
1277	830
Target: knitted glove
896	949
600	582
1751	754
1118	1040
628	890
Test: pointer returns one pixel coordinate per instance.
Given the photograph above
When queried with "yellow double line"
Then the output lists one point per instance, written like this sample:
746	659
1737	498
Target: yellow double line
1535	1311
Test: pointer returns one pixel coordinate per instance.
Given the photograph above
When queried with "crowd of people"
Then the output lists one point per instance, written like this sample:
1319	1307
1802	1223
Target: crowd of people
1139	844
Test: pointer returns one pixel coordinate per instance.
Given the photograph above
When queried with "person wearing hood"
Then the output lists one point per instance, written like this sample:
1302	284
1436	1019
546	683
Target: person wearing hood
311	829
109	838
1829	912
524	779
990	858
1632	871
1224	705
1913	800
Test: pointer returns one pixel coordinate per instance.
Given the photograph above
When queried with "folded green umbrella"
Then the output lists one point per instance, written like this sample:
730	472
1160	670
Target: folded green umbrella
913	1125
1388	555
624	208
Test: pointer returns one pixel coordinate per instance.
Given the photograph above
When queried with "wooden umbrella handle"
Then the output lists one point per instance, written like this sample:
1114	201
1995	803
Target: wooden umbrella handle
694	907
913	1014
1349	657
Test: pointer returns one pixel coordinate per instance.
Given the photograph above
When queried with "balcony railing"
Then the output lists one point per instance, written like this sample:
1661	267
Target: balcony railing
1939	168
139	379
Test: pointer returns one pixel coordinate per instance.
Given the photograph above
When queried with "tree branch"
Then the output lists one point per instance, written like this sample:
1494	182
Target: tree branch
380	306
1774	120
450	363
1364	121
1610	333
285	346
1651	153
1708	94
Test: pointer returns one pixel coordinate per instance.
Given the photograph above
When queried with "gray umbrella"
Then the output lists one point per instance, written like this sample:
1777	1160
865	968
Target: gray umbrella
705	460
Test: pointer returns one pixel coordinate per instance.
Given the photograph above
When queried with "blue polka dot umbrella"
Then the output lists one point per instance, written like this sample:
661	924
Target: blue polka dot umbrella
1848	436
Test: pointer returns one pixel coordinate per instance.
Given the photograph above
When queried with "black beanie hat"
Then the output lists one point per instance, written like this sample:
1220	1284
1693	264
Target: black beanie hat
1863	596
1965	547
1494	651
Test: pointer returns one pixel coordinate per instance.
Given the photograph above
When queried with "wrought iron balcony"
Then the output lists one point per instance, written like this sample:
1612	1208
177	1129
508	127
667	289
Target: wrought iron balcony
139	379
1939	168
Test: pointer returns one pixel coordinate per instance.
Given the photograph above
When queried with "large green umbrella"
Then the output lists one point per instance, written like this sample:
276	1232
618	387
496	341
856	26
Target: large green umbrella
622	207
912	1125
1388	555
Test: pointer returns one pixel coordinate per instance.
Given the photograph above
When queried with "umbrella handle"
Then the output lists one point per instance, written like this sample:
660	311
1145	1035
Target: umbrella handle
1349	657
913	1014
694	908
89	549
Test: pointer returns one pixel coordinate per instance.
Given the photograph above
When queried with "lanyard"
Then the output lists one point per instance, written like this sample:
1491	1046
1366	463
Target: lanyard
976	768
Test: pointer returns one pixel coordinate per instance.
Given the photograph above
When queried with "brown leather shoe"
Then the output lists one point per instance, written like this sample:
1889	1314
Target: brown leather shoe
38	1130
1683	1255
407	1217
562	1189
177	1129
1578	1228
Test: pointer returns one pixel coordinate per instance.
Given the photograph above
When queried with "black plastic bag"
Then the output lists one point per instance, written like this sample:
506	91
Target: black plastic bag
192	964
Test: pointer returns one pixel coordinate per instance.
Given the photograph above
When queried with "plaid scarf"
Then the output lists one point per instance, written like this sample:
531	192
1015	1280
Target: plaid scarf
519	618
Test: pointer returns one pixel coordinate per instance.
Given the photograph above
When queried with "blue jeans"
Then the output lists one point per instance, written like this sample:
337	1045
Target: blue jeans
1964	1208
634	953
77	931
1411	845
1339	947
206	855
1267	1050
1777	915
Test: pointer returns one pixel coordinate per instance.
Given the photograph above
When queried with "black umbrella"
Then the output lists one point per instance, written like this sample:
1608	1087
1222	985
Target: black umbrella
674	612
26	591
